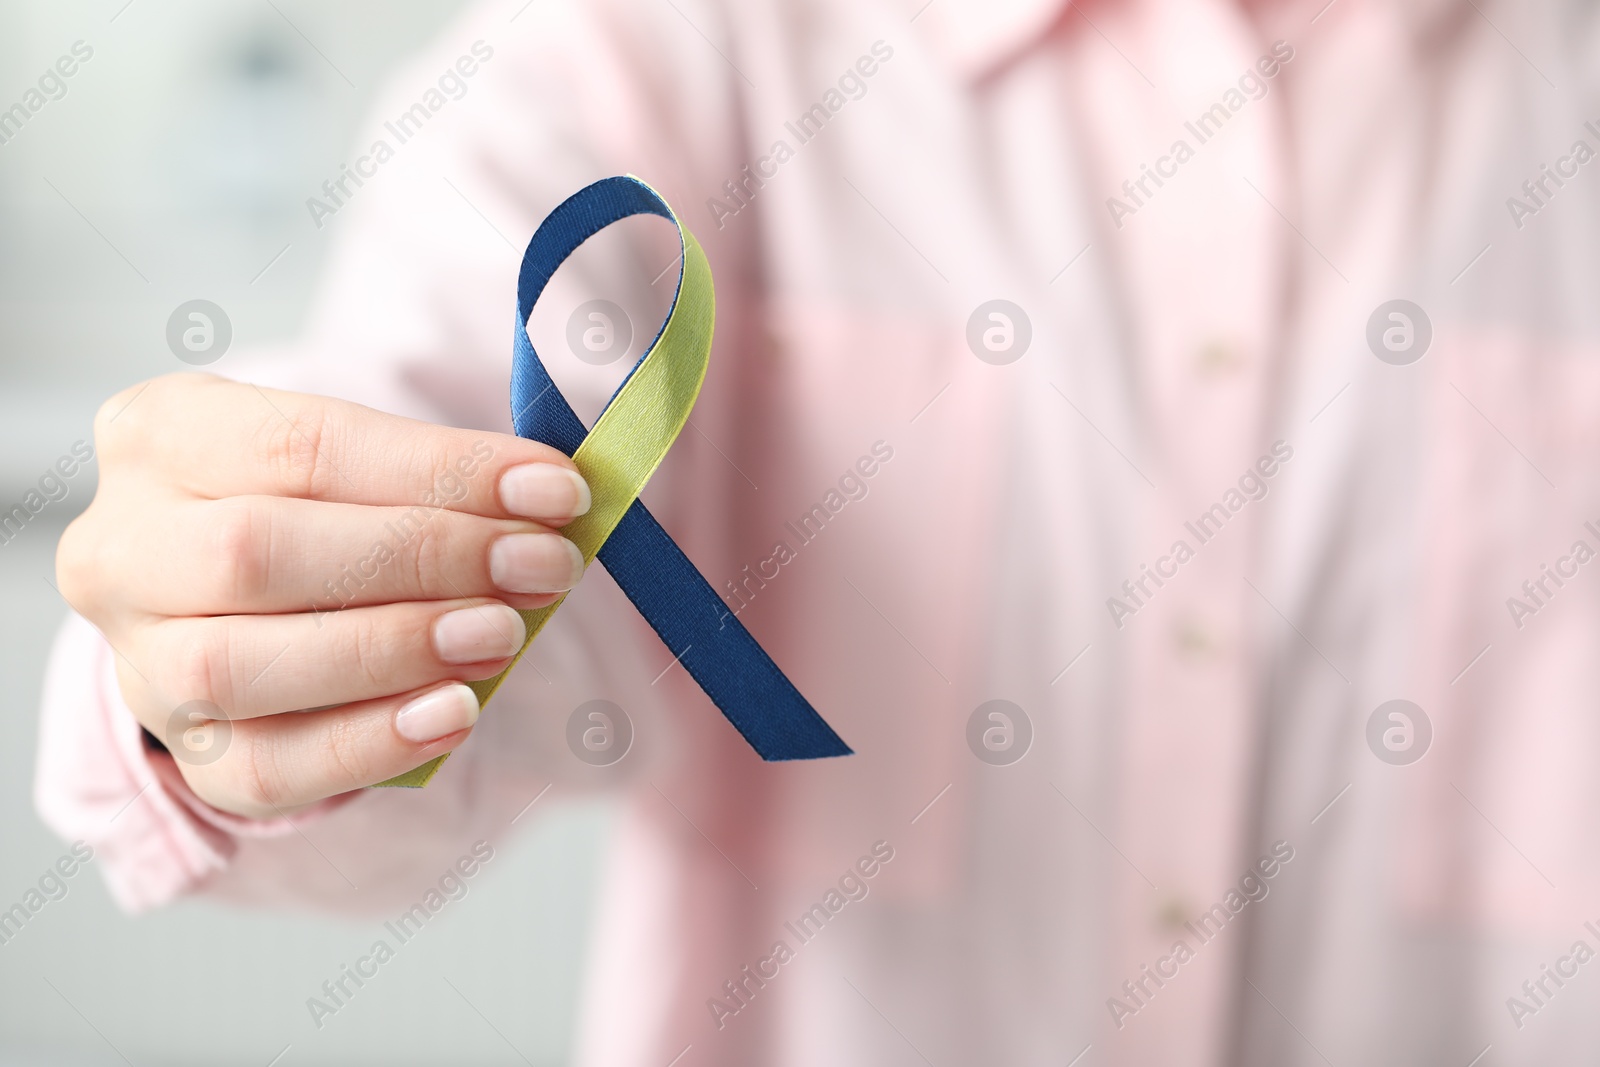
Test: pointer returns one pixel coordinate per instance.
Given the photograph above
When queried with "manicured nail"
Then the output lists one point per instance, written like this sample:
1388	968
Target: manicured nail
443	712
472	635
544	491
535	563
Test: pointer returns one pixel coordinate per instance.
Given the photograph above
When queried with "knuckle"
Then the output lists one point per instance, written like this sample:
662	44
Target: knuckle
266	771
130	416
258	778
349	758
115	419
105	439
290	445
371	651
78	566
107	412
237	539
431	549
449	472
196	663
136	693
214	787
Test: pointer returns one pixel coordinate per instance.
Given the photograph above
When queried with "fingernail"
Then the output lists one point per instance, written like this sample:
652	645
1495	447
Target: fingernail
472	635
535	563
544	491
443	712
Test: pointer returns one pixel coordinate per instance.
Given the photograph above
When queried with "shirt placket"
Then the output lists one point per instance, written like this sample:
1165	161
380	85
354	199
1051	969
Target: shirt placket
1199	265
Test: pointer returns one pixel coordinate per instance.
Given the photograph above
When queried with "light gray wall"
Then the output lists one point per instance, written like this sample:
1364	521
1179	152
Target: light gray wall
189	143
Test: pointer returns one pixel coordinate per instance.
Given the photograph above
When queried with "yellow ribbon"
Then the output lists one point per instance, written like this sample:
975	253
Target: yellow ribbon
628	441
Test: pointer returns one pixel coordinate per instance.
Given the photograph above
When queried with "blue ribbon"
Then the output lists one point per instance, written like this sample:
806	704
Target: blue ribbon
678	603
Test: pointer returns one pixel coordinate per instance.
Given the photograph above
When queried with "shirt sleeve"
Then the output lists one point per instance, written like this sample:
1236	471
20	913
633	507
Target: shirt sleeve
414	317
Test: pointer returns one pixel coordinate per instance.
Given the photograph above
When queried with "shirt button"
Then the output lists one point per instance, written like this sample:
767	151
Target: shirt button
1172	913
1194	638
1217	360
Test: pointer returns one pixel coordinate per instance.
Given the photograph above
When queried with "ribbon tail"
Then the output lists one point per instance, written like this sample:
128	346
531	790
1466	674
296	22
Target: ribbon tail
713	646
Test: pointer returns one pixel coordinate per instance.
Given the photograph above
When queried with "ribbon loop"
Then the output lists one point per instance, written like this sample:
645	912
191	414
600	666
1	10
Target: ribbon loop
618	456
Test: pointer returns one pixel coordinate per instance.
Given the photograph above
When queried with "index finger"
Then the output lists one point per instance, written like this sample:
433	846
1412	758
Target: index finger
218	438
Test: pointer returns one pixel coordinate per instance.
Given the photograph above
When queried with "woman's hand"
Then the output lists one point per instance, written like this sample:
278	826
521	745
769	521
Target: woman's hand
321	575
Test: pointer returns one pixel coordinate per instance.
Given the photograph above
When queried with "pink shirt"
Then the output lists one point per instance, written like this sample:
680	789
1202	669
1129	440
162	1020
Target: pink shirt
1198	341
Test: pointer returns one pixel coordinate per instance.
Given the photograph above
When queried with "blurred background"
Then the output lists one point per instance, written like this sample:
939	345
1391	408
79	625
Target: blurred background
175	168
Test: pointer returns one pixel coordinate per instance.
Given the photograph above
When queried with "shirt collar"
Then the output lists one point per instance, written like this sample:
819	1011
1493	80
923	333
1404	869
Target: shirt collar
976	36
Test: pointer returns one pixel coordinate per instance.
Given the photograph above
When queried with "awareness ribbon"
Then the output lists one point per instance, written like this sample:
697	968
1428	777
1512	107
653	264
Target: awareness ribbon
640	422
